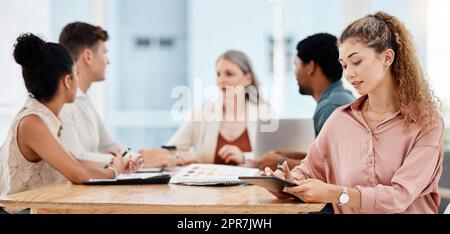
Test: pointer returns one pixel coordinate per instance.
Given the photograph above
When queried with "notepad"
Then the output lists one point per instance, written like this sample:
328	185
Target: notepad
129	179
212	174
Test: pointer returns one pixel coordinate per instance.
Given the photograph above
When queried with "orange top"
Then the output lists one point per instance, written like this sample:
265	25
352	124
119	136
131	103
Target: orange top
242	142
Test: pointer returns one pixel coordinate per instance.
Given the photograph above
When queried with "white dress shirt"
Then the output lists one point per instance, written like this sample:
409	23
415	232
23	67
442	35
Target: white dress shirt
84	133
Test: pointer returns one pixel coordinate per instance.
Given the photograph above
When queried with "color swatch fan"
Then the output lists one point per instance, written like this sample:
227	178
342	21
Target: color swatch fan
211	174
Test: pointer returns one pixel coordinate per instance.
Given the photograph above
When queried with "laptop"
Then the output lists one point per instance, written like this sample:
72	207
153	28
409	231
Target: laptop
291	135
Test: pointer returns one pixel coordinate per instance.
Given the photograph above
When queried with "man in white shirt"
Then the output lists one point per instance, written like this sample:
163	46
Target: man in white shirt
84	133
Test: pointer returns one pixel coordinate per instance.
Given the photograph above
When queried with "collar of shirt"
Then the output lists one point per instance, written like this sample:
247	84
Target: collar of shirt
356	108
81	94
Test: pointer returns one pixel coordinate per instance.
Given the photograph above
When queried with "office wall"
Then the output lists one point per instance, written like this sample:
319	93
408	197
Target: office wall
45	18
414	14
148	47
203	30
216	26
16	17
63	12
438	50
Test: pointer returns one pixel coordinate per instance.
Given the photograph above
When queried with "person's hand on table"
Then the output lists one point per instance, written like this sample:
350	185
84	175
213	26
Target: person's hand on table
124	165
270	160
232	154
185	158
137	159
156	157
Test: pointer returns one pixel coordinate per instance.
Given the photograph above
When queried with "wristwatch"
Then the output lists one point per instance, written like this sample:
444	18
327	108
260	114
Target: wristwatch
344	197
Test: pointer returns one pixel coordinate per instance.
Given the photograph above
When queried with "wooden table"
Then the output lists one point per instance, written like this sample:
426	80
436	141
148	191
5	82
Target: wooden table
154	199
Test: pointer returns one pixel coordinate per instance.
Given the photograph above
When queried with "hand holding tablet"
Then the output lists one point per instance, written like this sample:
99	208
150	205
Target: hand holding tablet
271	183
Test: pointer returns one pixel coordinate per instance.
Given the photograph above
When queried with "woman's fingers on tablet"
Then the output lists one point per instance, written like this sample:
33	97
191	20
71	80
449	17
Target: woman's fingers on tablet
268	172
287	172
277	173
280	174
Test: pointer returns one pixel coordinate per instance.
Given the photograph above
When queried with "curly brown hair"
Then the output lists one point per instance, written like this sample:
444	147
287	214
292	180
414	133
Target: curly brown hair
382	31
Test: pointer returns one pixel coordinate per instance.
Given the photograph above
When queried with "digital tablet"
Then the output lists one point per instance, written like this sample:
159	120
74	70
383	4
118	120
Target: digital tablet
271	183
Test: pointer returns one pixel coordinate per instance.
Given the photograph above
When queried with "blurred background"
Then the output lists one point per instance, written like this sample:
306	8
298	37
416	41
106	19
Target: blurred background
156	45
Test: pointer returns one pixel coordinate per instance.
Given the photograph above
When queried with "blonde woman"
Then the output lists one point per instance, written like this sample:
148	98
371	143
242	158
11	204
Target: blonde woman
383	153
227	138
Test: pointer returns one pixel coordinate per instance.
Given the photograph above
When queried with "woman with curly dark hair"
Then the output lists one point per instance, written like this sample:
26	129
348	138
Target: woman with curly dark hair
32	155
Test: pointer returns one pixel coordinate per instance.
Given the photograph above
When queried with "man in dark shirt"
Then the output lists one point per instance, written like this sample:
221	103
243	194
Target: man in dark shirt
319	74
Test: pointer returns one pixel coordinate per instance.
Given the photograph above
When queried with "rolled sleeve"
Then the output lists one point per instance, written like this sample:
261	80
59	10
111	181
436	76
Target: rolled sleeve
313	166
367	198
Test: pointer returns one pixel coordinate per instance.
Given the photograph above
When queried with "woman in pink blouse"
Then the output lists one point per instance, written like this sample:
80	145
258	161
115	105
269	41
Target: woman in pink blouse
384	152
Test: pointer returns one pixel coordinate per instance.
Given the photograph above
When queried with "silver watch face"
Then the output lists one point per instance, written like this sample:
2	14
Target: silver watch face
343	199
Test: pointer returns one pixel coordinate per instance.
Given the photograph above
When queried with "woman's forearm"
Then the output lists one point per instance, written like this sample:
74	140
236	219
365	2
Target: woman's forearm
335	192
93	172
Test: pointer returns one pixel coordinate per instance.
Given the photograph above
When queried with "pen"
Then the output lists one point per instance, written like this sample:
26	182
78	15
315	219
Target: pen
126	152
280	167
169	147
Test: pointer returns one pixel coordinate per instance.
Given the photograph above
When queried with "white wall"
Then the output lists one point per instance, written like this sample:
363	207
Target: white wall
45	18
414	14
90	11
217	26
438	49
16	17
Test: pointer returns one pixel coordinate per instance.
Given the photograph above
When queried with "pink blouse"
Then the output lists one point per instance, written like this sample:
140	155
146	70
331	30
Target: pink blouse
396	170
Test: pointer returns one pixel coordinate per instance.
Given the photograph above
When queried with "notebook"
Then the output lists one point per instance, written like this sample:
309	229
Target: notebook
130	179
212	174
